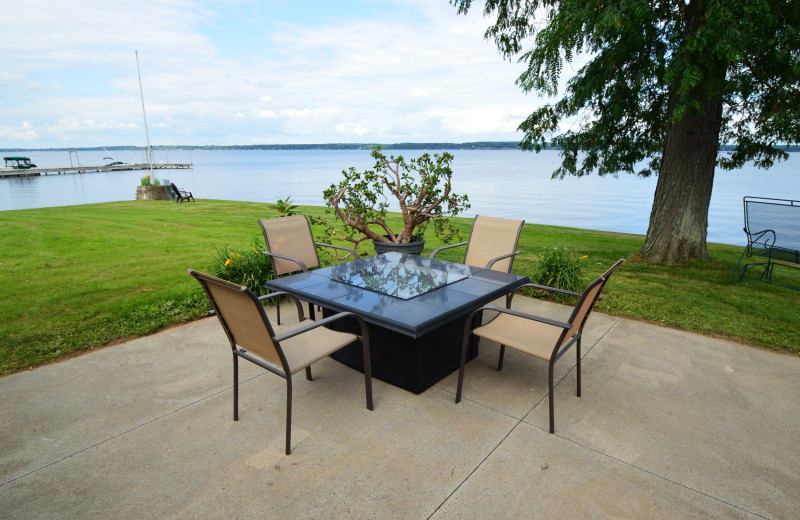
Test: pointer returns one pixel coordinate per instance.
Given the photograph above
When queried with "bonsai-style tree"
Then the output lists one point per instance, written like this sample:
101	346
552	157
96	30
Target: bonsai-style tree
421	187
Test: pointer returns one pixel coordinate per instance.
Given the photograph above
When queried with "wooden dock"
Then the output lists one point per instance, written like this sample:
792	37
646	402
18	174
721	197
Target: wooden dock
35	172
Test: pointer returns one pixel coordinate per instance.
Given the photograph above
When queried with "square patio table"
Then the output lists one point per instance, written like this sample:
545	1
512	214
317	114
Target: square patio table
416	308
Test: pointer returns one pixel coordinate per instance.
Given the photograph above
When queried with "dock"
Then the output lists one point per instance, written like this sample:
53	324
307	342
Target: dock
35	172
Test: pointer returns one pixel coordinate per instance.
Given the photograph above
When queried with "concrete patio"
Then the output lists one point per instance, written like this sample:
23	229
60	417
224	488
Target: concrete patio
670	425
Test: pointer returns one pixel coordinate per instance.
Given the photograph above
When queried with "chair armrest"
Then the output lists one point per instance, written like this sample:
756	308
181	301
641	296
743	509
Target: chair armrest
541	319
295	260
491	262
436	251
759	235
300	313
320	323
351	251
548	288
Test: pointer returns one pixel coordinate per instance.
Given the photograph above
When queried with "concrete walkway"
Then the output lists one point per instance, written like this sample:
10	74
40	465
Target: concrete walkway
670	425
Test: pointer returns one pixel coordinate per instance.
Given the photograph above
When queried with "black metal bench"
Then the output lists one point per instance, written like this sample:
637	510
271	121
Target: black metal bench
772	227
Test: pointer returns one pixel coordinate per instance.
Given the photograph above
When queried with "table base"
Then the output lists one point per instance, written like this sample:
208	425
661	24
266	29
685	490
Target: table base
414	364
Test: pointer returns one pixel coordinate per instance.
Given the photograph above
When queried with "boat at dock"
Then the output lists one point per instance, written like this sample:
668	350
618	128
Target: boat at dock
17	163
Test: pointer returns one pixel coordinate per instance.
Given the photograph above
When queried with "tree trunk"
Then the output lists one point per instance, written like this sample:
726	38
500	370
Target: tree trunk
679	217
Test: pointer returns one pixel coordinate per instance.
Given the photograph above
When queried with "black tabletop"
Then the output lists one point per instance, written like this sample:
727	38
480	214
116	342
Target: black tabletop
409	294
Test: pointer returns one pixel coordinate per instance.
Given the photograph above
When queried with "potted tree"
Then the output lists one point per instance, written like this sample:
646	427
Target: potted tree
421	187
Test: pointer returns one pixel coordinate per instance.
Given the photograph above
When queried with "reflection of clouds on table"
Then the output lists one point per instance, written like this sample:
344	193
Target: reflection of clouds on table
398	275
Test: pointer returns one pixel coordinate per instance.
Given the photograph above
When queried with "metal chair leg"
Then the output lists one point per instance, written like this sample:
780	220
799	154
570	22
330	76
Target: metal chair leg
288	414
578	349
235	387
308	373
500	360
550	398
467	337
367	370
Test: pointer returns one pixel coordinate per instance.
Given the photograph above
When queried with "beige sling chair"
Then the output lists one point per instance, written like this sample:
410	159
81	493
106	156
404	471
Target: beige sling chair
292	248
492	243
538	336
253	338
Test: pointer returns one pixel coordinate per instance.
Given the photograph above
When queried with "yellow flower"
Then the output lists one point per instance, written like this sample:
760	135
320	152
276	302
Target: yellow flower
585	256
255	250
228	262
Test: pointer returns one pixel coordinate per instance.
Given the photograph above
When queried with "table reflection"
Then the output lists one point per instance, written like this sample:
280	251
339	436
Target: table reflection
398	275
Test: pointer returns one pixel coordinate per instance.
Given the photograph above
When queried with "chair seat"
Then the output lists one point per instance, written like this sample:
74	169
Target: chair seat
311	346
529	336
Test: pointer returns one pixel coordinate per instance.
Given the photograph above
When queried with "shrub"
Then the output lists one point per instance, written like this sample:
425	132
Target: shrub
561	268
284	207
244	266
150	181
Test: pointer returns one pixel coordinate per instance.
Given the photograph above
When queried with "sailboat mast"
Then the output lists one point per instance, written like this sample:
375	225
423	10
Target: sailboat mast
146	133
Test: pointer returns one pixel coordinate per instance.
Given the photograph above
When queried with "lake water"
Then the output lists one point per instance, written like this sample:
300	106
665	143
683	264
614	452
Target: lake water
502	183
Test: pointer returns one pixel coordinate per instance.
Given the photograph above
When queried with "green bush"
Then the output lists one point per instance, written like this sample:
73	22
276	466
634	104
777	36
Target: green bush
244	266
561	268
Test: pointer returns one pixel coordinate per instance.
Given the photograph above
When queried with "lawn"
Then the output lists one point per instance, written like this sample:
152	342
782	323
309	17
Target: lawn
78	277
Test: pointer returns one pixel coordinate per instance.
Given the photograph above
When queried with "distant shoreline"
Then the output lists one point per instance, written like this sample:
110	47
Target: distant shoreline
477	145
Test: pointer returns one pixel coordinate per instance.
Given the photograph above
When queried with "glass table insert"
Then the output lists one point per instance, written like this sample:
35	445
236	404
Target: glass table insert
398	275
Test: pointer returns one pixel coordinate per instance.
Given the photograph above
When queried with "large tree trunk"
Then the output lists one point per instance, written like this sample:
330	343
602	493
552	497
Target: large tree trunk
679	217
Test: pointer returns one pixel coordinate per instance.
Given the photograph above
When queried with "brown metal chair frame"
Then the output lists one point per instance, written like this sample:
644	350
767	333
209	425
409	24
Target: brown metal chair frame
301	266
562	344
182	194
284	370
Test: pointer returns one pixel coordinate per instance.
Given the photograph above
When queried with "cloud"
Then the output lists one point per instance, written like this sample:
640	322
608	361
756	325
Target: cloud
25	132
215	73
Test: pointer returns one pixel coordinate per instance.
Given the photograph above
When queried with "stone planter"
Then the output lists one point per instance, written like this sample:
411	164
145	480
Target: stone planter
152	193
411	248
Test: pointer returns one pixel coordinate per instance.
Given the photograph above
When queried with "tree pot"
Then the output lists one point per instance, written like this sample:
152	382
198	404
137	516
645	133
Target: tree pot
152	193
410	248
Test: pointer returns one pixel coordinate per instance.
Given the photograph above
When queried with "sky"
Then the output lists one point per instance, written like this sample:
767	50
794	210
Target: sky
252	72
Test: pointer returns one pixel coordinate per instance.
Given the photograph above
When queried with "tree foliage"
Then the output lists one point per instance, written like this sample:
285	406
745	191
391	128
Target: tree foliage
637	50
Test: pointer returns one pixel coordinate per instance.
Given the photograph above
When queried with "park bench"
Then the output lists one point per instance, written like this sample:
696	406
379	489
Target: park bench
772	227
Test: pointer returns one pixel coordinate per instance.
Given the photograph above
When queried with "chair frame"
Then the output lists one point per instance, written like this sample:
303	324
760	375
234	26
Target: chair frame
284	371
181	194
300	264
492	261
562	344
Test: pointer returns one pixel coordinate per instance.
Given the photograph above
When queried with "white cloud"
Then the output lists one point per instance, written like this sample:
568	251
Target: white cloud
359	129
210	70
25	132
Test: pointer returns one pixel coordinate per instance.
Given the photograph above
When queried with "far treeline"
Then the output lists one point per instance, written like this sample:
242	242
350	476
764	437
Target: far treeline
478	145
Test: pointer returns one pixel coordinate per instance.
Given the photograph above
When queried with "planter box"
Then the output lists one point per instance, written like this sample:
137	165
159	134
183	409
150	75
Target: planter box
152	193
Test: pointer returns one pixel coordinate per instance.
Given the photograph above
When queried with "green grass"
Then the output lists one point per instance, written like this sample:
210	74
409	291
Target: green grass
79	277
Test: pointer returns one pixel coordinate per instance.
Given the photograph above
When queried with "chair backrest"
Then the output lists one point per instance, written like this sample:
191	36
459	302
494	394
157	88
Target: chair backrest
289	236
241	316
587	300
492	237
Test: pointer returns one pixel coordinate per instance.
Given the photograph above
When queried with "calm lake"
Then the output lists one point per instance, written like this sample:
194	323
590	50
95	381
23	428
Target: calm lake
503	183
